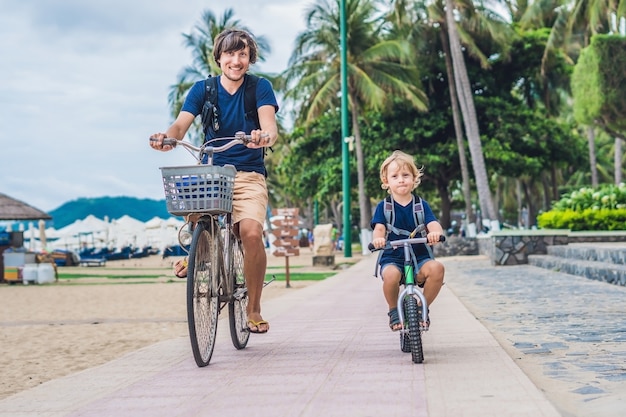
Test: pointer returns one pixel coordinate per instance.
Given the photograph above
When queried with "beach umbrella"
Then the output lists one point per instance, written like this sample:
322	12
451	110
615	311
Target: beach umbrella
12	209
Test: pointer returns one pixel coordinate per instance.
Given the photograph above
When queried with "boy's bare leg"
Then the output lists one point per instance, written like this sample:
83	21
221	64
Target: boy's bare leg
432	272
391	289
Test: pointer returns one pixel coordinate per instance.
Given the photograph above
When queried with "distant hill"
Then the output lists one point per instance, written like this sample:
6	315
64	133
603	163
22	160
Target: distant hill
112	207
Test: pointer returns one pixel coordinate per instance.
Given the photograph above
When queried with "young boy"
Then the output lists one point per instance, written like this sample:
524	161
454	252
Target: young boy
400	176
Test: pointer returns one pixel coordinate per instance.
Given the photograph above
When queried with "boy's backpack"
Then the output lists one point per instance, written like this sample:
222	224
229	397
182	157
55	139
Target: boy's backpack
418	218
210	109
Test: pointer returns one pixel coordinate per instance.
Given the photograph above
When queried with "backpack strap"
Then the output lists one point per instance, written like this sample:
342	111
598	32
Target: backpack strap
210	109
210	113
418	216
249	99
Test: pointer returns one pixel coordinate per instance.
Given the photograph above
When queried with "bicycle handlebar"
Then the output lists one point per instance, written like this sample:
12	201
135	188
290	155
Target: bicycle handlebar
239	138
394	244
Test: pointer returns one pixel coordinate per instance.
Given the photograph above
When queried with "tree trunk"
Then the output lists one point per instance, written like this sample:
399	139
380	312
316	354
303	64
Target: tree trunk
591	140
546	193
532	210
458	130
466	100
365	211
444	217
618	161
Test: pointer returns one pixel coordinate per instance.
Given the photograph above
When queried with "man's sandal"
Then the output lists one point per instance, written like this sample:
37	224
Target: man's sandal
394	320
255	326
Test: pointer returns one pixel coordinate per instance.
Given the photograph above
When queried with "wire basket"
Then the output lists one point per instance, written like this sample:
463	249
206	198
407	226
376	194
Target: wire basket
198	189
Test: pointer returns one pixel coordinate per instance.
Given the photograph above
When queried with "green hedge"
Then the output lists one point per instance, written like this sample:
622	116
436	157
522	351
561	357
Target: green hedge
588	219
603	208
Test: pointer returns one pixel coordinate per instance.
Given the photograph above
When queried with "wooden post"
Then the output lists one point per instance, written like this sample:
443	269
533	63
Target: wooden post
287	283
286	232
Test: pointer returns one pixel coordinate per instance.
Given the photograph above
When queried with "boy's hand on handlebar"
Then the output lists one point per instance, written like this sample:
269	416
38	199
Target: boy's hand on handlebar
156	142
379	242
434	237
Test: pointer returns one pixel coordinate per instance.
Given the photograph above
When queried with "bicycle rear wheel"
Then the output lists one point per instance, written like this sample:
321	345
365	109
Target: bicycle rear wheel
237	307
203	279
415	335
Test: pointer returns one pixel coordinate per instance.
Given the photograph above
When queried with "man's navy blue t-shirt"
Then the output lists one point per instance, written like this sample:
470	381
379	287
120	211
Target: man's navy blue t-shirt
232	120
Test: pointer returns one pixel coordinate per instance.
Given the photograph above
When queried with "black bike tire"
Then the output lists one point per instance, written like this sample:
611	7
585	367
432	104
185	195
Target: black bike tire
237	307
203	278
405	342
415	335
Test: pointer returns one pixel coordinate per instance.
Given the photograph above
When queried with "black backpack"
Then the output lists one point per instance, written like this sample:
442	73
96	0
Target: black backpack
210	109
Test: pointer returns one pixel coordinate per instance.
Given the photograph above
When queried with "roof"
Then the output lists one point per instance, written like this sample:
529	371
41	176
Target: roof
12	209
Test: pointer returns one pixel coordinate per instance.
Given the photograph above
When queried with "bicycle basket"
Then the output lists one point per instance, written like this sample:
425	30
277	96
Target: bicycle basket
198	189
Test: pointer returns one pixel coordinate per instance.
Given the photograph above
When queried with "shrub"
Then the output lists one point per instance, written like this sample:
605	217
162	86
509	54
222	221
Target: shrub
603	208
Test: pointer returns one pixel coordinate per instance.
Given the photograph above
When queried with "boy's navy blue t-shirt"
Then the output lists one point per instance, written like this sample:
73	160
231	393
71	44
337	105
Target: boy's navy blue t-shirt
404	218
232	120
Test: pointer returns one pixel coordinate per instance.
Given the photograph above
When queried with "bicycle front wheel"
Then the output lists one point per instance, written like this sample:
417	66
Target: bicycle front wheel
413	324
237	307
203	278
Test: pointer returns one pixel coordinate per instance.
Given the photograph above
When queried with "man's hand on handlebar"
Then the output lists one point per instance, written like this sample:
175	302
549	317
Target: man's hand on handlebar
259	139
156	142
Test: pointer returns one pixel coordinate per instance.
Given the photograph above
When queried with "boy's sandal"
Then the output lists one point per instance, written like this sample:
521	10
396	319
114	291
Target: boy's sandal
426	323
394	320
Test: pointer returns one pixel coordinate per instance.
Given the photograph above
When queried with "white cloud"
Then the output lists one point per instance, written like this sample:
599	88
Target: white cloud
84	83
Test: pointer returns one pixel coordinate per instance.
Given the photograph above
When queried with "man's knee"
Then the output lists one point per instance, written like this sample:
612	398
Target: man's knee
250	230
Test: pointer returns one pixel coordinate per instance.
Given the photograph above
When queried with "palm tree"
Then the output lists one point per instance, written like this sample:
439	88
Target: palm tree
573	22
466	101
201	43
377	69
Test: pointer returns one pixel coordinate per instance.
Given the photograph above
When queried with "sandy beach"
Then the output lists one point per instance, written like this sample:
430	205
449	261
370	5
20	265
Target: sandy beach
52	330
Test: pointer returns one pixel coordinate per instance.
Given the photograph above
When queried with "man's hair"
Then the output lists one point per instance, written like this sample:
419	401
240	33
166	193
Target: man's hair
231	40
404	161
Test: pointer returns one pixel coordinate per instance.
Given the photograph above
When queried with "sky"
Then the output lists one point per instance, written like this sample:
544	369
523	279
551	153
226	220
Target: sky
83	84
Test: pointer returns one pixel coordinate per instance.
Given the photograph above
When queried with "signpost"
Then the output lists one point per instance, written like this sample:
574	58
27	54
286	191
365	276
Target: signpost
286	232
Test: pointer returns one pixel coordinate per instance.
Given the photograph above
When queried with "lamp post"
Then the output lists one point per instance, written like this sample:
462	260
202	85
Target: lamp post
347	225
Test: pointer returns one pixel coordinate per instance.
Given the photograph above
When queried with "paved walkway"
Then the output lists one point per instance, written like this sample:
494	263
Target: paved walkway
329	353
568	333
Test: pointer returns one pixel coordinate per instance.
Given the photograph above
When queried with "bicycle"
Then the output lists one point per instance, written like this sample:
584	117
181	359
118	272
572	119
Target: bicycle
412	326
203	194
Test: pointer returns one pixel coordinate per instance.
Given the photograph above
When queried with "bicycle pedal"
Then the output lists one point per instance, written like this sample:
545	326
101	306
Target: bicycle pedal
266	283
240	293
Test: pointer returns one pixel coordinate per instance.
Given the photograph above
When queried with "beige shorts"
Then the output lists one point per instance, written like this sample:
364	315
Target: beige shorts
250	197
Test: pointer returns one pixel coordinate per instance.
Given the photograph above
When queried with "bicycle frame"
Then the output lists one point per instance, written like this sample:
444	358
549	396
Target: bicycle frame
409	275
410	288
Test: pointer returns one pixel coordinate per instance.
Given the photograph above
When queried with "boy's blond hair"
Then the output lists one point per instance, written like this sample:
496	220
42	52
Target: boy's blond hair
403	160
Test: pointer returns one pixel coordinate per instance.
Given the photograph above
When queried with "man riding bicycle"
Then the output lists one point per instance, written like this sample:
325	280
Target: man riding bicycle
234	51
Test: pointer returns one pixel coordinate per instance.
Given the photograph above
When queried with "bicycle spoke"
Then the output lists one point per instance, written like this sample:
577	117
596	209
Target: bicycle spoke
237	308
202	290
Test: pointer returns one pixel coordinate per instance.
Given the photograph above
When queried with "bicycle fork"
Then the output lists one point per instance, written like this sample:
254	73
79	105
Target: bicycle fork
411	291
